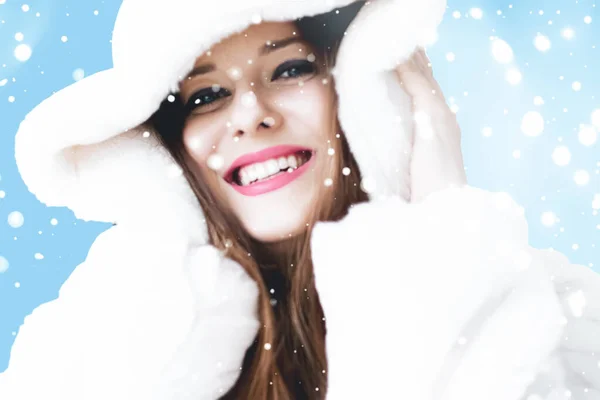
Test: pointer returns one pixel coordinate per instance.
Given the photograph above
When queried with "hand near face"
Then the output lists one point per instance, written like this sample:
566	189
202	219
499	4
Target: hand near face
437	161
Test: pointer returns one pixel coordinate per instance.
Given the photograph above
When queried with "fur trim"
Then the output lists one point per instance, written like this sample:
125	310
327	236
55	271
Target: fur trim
465	308
83	147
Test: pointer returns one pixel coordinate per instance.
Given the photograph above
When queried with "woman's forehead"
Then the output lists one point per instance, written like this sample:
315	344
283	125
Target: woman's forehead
251	42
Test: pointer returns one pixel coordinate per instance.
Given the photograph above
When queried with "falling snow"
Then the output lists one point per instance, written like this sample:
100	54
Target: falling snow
532	123
542	43
235	73
561	156
567	33
581	177
595	118
513	76
78	74
22	52
596	202
3	264
476	13
533	116
16	219
548	219
215	162
502	51
587	135
367	185
249	99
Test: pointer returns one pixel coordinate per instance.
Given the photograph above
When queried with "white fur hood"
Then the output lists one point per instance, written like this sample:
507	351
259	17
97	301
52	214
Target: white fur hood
80	148
133	321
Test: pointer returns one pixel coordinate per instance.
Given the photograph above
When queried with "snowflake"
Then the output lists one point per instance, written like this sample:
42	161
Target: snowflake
3	264
581	177
15	219
502	51
22	52
532	124
561	156
542	43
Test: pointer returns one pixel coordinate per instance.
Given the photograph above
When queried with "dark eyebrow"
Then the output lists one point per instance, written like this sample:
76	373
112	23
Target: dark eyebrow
278	44
267	48
201	69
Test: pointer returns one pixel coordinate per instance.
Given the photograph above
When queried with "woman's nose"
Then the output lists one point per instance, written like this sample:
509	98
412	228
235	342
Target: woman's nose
253	114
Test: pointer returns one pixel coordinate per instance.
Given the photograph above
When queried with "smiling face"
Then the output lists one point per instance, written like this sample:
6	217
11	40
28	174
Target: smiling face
260	126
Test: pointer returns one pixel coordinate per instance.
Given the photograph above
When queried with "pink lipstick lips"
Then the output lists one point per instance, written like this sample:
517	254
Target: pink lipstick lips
267	170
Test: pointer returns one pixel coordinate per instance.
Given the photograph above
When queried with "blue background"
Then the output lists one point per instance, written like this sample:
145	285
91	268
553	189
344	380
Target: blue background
474	82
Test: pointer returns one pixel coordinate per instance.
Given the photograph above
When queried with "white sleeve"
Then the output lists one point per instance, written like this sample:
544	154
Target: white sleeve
47	357
578	289
441	300
44	361
146	316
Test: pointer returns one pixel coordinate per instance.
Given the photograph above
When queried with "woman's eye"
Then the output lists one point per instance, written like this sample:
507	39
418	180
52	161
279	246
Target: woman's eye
206	97
293	69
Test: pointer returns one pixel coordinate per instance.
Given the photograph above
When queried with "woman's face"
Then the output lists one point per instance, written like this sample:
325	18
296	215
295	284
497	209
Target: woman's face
259	126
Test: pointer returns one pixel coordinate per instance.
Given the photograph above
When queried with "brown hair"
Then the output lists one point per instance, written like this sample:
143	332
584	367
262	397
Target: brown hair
292	319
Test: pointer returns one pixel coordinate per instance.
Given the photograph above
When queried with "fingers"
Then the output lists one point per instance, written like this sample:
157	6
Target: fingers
416	77
413	78
427	68
423	61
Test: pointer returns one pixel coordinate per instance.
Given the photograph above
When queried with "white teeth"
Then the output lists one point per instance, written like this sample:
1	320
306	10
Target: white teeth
243	177
261	171
272	167
282	161
292	161
252	174
257	171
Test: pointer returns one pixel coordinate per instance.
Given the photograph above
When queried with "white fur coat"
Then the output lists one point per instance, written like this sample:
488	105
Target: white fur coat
444	300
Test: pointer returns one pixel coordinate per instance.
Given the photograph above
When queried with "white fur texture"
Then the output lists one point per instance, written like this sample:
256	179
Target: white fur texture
145	318
442	301
58	139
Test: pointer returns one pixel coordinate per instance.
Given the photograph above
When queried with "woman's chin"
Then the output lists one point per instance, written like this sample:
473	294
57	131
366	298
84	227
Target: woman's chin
279	214
269	230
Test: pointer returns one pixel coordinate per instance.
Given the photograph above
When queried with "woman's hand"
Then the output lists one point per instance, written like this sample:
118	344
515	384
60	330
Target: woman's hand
437	161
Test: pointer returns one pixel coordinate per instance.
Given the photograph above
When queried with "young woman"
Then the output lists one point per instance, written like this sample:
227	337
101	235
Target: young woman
292	222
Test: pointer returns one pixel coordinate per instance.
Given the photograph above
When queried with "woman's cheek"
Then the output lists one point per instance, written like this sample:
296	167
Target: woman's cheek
309	103
200	140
